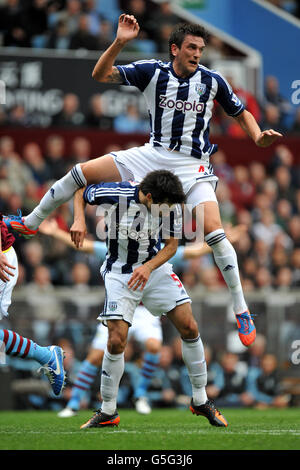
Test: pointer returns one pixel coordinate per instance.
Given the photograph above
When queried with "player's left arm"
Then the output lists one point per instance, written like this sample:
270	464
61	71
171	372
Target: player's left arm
261	138
141	274
78	229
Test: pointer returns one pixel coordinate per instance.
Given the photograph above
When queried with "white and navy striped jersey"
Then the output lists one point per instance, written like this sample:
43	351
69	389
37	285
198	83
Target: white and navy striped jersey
133	232
180	109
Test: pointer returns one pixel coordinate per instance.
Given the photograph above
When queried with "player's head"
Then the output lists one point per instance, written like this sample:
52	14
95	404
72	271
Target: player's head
162	186
186	44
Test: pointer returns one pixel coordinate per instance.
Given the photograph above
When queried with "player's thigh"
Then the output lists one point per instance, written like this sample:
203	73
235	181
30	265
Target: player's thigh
6	288
164	291
184	321
101	169
120	301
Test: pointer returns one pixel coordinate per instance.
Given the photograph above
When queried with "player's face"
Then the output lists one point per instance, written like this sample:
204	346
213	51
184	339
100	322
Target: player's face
187	58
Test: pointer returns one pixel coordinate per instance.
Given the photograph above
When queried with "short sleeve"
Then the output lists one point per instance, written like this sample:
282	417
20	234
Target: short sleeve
138	73
108	193
231	104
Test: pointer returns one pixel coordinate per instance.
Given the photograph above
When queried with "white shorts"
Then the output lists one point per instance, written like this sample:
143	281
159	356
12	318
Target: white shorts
163	292
6	288
135	163
144	326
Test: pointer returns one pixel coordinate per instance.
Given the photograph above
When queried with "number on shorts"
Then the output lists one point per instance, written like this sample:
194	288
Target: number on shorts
179	283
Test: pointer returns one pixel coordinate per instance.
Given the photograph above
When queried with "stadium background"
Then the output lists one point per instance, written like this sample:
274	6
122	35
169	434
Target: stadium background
55	115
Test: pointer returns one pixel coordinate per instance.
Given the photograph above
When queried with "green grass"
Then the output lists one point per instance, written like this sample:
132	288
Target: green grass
163	429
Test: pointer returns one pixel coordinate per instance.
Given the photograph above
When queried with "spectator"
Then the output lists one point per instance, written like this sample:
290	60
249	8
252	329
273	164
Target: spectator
272	118
274	97
283	279
105	36
12	168
221	168
295	264
70	115
258	175
284	183
294	230
131	122
14	22
59	37
82	38
55	148
80	151
95	117
263	384
263	279
266	229
229	383
256	351
242	189
33	157
37	17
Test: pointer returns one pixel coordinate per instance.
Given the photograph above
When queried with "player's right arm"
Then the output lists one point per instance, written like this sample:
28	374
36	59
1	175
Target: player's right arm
104	71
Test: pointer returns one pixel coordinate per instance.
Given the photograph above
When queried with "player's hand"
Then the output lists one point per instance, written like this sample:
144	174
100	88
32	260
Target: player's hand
5	268
78	232
139	277
48	227
267	138
128	28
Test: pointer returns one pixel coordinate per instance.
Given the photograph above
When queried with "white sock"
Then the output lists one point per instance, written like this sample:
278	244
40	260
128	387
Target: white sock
193	356
112	371
226	260
62	191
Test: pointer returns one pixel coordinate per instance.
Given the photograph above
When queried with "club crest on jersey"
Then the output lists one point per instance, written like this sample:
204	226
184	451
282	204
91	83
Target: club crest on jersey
112	306
200	88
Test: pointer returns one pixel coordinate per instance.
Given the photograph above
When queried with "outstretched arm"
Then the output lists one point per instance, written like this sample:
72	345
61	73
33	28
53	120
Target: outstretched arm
262	139
104	70
78	229
195	250
51	228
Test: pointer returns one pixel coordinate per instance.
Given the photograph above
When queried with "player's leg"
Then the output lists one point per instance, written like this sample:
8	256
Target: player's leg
84	380
194	359
87	373
147	372
147	330
93	171
50	358
112	371
224	255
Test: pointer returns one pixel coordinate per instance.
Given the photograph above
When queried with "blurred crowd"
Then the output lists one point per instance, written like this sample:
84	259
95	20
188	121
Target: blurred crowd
251	379
87	24
273	112
265	199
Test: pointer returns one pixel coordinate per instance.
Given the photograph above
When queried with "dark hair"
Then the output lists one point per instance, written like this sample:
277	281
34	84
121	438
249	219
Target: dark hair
181	31
163	186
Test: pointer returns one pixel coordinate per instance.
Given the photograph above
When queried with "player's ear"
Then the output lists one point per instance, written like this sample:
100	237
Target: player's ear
174	50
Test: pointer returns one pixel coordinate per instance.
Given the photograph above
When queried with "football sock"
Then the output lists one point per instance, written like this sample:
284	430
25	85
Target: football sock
148	369
193	357
226	260
84	380
61	191
15	345
112	371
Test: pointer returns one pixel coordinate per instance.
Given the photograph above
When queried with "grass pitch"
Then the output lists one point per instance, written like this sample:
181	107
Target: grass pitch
161	430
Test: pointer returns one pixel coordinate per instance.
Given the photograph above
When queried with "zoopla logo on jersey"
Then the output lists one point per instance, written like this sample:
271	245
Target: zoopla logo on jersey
180	105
